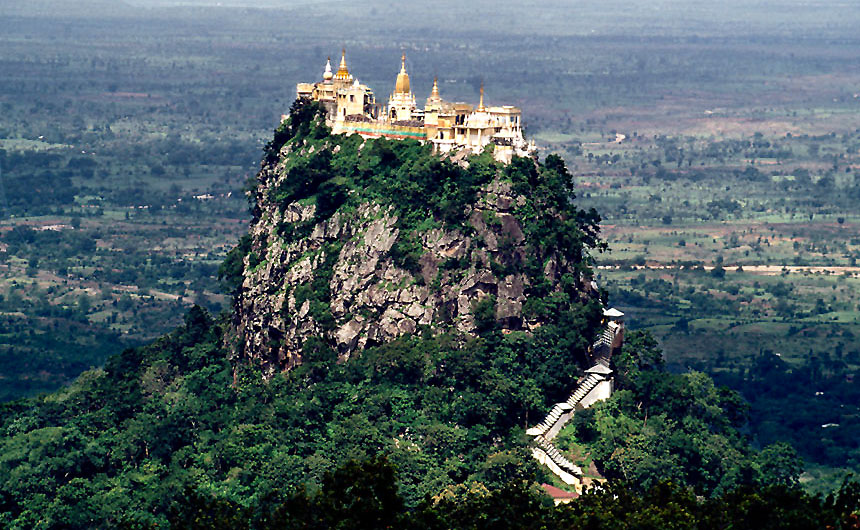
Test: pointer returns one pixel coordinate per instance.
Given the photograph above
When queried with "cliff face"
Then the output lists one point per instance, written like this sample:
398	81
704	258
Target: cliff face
356	265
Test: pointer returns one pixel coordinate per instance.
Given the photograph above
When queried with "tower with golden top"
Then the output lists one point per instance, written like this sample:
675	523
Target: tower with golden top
401	103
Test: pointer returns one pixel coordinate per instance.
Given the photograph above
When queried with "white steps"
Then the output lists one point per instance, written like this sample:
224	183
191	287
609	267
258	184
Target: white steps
557	457
600	354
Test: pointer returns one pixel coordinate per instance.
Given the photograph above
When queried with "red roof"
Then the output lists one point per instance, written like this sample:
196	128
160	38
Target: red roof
558	493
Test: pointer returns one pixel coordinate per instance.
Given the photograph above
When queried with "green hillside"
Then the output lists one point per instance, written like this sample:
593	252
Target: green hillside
423	431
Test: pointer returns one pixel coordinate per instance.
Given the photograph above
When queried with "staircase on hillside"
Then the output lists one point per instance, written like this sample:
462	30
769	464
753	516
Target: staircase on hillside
595	386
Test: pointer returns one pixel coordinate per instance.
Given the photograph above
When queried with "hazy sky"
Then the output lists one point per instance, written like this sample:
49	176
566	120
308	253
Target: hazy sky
701	18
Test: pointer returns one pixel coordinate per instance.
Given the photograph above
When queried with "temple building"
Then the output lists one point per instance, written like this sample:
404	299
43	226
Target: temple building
353	109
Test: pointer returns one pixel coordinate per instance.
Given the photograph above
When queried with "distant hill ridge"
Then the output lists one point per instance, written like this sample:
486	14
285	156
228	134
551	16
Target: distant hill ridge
59	8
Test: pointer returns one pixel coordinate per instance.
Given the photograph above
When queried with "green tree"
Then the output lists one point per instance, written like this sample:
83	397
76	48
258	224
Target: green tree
778	465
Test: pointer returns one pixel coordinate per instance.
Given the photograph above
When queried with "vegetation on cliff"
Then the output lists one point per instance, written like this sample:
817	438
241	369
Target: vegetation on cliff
357	242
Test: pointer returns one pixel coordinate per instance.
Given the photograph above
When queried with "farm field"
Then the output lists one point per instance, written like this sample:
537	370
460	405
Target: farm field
743	264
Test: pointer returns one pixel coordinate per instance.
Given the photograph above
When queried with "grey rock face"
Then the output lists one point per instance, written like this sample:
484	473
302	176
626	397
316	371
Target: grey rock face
370	299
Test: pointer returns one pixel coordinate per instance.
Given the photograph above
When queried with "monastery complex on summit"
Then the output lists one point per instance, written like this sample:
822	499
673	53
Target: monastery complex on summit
353	109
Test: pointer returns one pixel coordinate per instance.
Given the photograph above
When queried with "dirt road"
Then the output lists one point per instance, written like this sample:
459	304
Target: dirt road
765	270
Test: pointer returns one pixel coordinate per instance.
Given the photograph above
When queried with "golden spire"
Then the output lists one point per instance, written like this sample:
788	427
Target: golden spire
435	93
402	84
481	107
342	71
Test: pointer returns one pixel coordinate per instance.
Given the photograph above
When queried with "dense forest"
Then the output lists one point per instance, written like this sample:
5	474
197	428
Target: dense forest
166	435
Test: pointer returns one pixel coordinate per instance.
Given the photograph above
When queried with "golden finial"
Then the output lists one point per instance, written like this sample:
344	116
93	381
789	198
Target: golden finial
342	71
481	107
435	93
